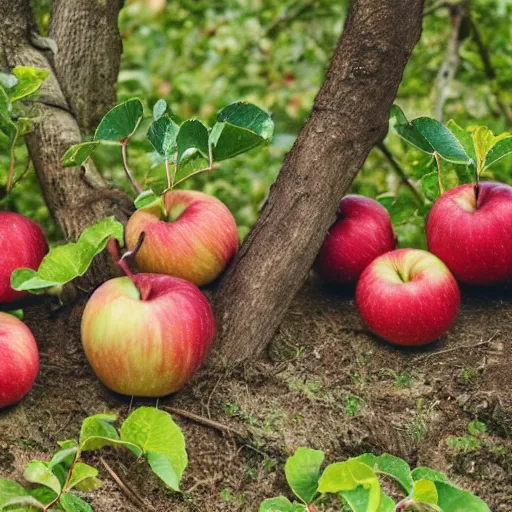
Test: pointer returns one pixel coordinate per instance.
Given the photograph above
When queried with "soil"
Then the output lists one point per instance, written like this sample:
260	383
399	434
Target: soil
325	383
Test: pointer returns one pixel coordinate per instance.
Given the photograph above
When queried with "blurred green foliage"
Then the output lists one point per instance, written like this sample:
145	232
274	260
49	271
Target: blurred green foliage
201	55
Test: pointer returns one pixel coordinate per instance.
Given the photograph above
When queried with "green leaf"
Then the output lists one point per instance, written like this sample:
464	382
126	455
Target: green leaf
97	431
6	125
501	149
159	109
79	153
240	127
10	489
24	504
38	472
61	473
360	500
81	472
29	81
302	472
464	137
392	466
192	134
348	476
281	504
72	503
430	186
160	438
7	80
148	197
442	140
455	500
63	455
18	313
425	492
66	262
120	122
407	132
386	504
162	134
43	495
423	473
483	140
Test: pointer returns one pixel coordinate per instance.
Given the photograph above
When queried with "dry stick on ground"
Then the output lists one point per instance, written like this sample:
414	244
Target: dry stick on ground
350	115
205	421
400	172
130	494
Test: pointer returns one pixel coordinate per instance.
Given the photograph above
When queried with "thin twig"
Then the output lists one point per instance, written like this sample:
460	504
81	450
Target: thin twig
438	165
400	172
23	174
204	421
458	347
130	494
168	173
124	152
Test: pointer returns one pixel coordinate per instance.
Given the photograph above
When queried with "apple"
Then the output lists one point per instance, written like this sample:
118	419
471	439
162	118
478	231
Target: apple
361	232
470	229
19	360
408	297
23	246
146	335
194	238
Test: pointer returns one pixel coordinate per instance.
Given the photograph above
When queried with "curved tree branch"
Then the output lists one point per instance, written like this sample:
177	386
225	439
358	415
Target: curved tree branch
350	115
78	196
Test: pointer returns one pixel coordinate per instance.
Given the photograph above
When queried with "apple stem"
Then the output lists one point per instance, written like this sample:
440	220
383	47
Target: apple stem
477	193
127	170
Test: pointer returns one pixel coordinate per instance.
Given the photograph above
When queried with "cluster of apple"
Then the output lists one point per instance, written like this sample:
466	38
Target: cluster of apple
144	334
411	297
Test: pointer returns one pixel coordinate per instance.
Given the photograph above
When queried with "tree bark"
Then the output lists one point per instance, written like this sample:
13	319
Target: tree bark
76	197
88	57
350	115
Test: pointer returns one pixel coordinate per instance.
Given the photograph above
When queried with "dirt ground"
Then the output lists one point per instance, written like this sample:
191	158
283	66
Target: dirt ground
326	383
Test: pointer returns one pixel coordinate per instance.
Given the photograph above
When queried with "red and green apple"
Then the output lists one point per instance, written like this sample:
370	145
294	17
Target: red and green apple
408	297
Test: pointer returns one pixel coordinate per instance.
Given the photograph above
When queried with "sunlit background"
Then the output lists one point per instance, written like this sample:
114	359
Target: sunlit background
201	55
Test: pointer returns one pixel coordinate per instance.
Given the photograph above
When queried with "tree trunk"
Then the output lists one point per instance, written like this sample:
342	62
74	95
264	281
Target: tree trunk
350	115
88	57
79	196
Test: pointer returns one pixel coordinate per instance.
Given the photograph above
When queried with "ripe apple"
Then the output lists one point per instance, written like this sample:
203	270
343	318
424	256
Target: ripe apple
19	360
362	231
470	229
23	246
147	335
194	239
408	297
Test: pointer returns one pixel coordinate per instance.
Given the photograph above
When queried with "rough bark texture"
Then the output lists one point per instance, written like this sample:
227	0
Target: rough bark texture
88	57
350	115
78	196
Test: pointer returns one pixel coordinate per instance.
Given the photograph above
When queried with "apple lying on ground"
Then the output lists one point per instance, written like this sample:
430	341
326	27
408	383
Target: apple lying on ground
408	297
148	334
19	360
194	239
23	246
470	229
362	231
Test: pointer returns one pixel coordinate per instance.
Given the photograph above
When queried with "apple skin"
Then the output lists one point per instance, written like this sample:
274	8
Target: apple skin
147	337
196	246
474	238
19	360
362	232
408	297
23	245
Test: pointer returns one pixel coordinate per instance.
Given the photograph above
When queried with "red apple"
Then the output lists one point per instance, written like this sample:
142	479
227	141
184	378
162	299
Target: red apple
472	233
22	246
147	337
362	231
194	239
19	360
408	297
